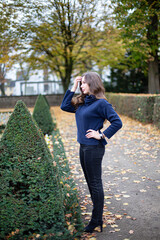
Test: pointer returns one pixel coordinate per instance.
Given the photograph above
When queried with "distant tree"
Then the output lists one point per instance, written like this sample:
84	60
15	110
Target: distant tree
2	78
3	47
25	70
56	33
105	48
139	24
127	80
67	37
7	41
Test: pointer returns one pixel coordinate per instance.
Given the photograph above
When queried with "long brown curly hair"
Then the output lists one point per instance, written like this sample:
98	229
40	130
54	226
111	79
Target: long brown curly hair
95	86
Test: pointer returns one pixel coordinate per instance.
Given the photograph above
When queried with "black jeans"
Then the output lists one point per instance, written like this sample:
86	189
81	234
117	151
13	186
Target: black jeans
91	162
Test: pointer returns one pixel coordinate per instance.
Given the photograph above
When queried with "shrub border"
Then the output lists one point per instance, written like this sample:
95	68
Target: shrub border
144	108
72	208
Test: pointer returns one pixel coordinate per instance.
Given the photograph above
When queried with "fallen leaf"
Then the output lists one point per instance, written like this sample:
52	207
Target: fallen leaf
54	163
107	213
108	197
136	181
69	215
114	226
109	221
126	196
131	232
117	229
118	199
117	195
86	213
71	228
143	190
118	216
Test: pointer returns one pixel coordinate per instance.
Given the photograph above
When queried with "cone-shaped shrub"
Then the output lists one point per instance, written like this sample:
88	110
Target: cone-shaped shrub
46	100
31	197
43	116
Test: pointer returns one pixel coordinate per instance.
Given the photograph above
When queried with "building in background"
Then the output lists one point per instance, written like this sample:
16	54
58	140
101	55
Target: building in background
9	87
34	84
41	82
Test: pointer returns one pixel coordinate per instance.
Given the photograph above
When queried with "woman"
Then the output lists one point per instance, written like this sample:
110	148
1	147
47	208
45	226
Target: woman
92	109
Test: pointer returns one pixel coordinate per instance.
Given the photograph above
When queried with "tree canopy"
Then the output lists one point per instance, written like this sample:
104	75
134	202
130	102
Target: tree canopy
66	36
72	36
139	24
6	43
56	33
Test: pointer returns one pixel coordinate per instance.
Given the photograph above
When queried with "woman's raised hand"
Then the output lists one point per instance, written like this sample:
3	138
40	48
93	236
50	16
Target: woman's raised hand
76	81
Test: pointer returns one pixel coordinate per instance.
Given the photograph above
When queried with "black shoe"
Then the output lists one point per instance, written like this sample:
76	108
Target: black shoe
92	225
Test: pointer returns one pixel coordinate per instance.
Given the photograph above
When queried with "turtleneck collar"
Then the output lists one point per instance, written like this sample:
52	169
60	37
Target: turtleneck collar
89	99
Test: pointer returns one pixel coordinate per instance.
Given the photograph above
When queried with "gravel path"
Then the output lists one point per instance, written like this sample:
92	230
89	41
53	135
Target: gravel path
131	179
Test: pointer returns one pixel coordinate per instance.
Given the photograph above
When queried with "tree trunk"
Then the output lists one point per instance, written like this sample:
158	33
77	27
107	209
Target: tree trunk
66	82
68	72
152	37
153	77
65	85
2	89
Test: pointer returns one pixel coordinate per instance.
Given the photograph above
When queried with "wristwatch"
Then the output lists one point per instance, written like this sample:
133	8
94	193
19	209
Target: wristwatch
101	135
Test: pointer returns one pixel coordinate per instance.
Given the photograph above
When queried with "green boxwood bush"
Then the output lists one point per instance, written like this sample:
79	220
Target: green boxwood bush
156	115
42	115
46	100
144	108
31	194
70	194
2	127
138	107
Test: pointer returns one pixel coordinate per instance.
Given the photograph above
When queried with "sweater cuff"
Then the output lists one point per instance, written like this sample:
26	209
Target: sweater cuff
105	137
68	92
108	133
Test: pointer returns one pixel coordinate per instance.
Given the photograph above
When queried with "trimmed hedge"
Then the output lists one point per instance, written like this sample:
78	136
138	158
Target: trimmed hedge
69	190
31	194
42	115
156	115
138	107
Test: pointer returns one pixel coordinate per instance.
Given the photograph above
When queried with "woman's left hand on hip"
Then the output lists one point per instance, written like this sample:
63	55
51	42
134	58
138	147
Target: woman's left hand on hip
93	134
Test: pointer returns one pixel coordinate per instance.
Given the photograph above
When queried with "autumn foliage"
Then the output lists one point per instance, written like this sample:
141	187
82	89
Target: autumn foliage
42	115
32	196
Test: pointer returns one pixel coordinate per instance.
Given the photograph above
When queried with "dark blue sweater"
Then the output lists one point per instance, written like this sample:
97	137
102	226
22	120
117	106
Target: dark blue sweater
91	115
